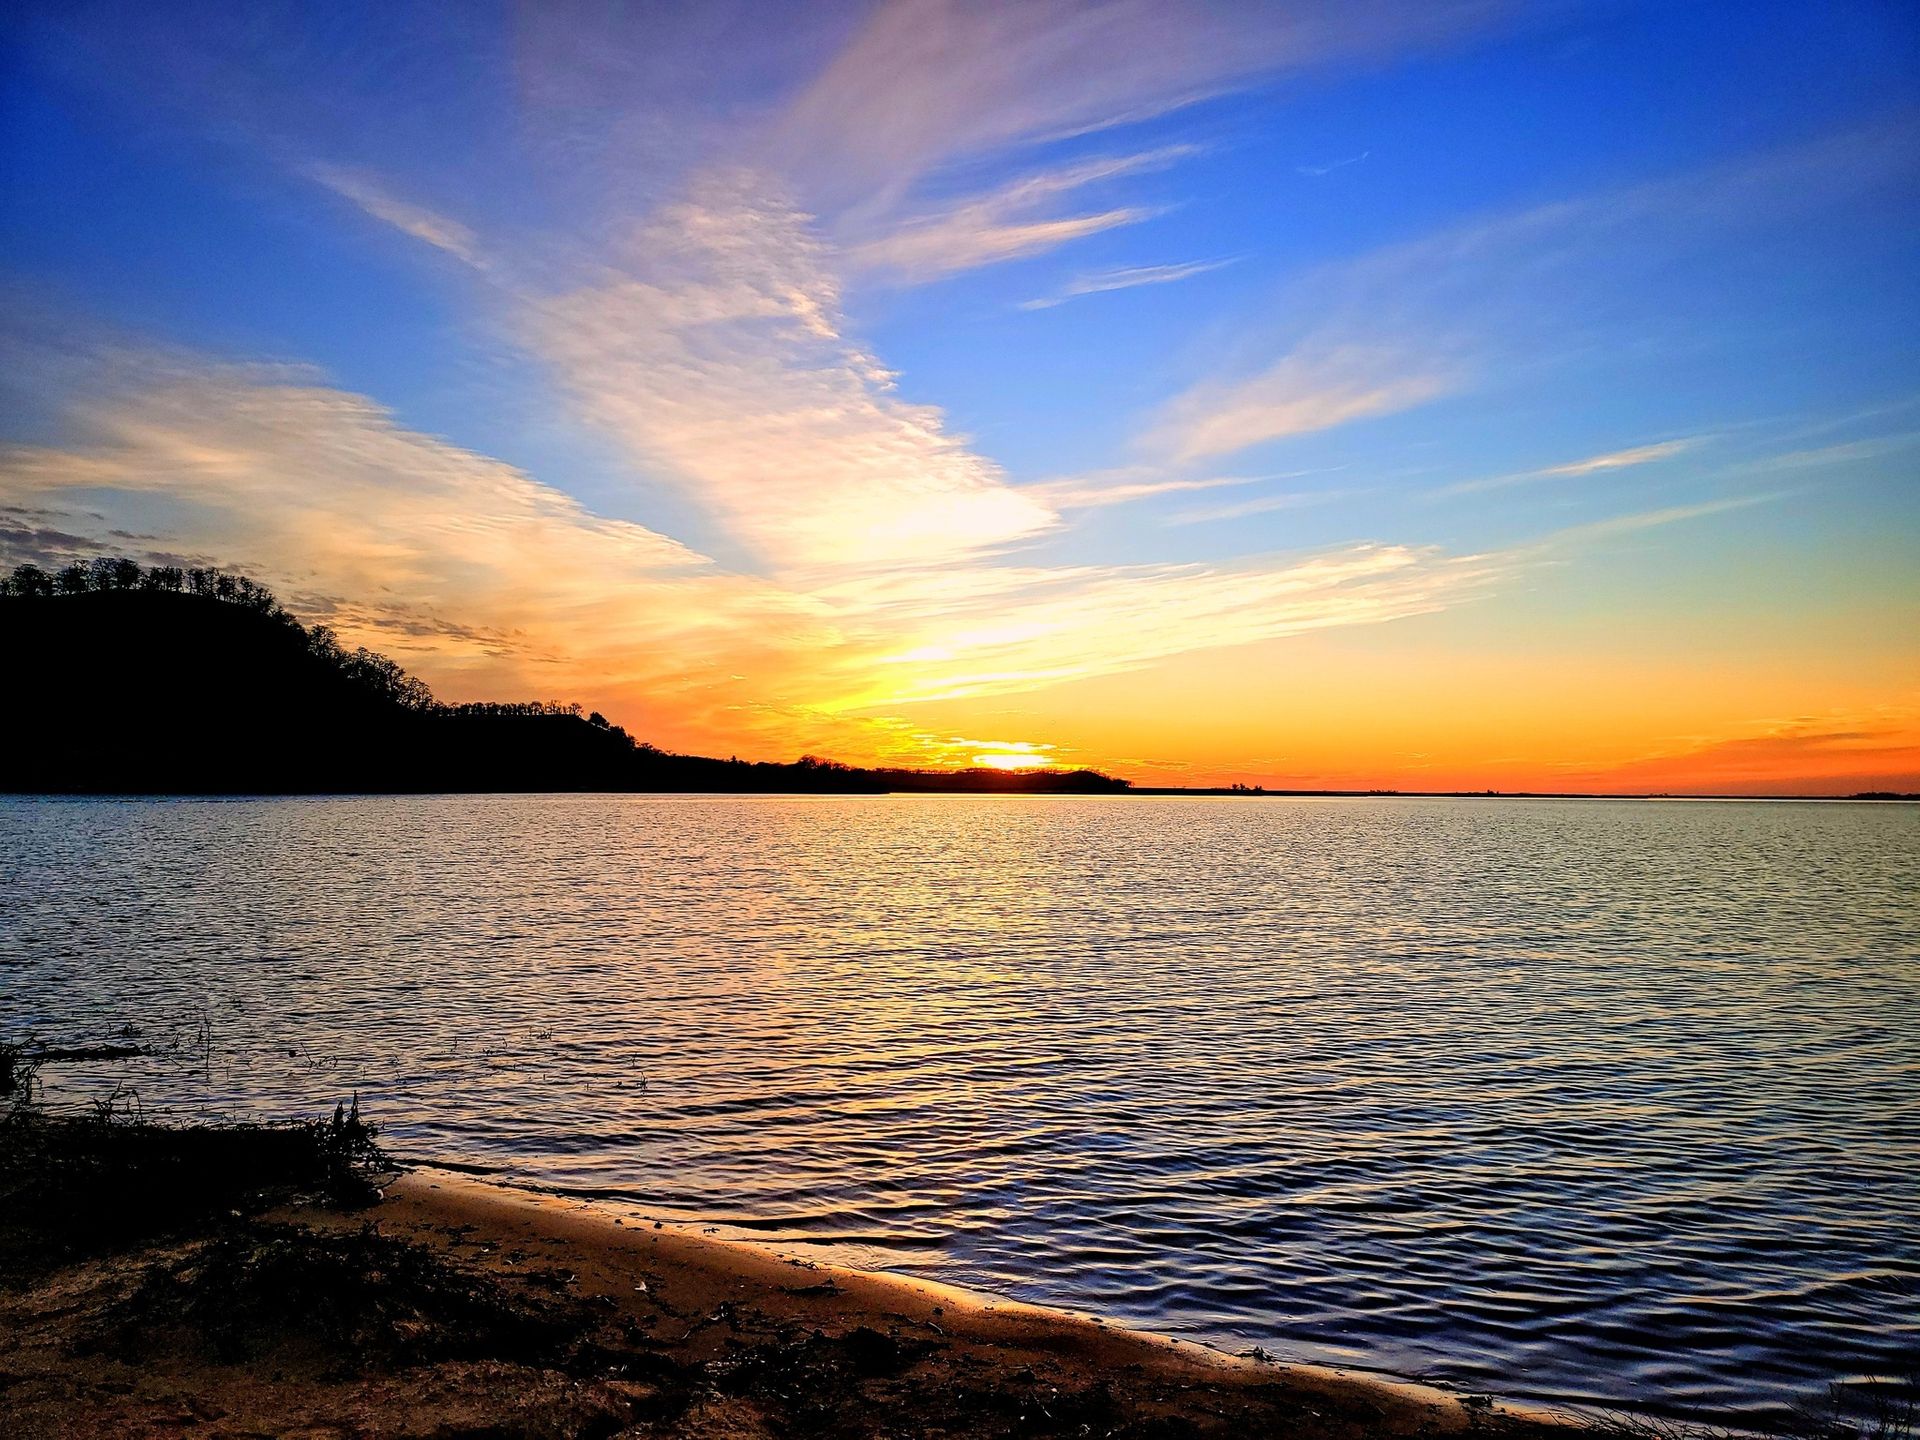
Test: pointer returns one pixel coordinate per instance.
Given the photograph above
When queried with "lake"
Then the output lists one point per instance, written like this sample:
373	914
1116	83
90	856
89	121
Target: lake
1566	1099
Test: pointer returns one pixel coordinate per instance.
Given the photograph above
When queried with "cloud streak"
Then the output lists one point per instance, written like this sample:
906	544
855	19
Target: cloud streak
694	298
1126	485
1127	278
1592	465
925	81
1050	627
1310	389
422	224
1264	505
459	564
718	357
1629	524
1002	225
1316	171
491	583
1410	322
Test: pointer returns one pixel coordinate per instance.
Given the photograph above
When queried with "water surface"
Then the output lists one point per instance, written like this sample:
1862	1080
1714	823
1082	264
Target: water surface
1566	1099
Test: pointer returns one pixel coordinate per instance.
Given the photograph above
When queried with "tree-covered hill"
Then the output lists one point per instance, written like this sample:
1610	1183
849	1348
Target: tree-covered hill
155	681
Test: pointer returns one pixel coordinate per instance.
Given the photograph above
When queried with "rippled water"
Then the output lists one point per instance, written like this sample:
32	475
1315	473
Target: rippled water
1568	1099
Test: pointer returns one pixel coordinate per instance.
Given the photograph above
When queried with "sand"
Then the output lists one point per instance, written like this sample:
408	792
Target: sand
457	1308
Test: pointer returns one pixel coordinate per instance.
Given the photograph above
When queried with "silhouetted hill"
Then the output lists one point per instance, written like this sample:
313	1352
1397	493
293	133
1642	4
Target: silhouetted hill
153	682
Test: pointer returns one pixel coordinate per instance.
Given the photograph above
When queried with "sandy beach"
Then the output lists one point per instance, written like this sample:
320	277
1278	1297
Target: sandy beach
451	1307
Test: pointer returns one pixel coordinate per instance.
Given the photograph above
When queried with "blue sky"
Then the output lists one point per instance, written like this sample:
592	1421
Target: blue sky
886	364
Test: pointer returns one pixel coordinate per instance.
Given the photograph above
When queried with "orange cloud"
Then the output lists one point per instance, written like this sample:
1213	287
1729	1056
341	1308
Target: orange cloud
1811	756
489	582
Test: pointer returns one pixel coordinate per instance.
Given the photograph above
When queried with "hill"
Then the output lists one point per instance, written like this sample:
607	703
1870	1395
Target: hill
164	681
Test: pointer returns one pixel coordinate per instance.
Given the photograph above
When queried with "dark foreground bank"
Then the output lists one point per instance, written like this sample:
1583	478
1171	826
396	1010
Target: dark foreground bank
162	681
273	1281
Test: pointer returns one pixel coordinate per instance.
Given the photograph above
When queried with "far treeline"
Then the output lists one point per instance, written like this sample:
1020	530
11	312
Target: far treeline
126	679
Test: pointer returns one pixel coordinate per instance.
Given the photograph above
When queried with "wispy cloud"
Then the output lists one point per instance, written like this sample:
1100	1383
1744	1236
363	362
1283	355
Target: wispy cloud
1310	389
1132	483
1621	459
1872	448
491	582
972	237
1126	278
1074	624
417	221
462	565
1003	226
1263	505
1125	485
1651	519
1404	324
925	81
692	309
1592	465
1316	171
718	357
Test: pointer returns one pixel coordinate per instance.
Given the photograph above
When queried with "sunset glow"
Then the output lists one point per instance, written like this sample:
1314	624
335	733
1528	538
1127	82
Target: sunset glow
1005	761
1285	396
1242	673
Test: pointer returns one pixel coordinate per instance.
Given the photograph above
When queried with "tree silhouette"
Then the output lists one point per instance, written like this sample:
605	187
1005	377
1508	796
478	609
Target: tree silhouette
29	580
345	720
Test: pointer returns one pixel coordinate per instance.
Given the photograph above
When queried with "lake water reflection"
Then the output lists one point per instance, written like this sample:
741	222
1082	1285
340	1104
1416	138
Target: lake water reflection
1568	1099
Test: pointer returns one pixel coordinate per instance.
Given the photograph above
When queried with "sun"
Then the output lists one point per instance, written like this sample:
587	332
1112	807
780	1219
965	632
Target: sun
1010	761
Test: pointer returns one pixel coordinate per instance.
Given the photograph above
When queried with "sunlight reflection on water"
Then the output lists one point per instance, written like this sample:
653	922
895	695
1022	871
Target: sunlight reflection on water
1568	1099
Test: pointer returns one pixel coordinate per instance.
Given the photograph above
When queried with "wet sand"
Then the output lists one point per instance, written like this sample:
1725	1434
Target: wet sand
455	1308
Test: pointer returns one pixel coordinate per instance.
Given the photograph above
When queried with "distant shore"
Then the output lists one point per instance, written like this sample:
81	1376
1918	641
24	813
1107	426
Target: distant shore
436	1303
1150	792
1260	791
175	656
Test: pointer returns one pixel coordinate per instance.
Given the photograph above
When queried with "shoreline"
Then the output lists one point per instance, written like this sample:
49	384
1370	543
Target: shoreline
1132	792
607	1228
248	1281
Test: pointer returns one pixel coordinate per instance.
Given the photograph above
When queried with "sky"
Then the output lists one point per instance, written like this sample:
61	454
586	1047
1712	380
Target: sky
1421	395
